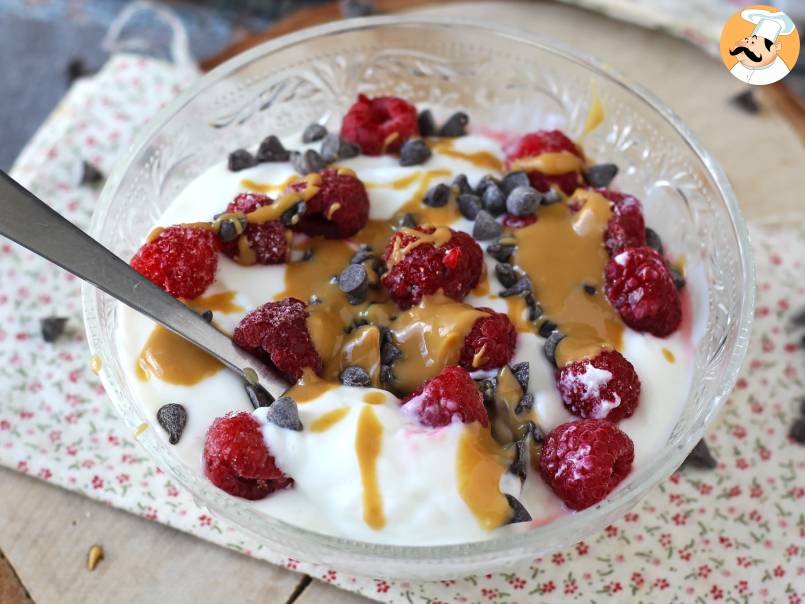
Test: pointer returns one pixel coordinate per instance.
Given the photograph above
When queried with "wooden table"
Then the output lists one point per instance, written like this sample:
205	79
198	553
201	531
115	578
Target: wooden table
45	532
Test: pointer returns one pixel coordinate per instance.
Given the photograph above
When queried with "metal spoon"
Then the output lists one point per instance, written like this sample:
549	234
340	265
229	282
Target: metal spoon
27	220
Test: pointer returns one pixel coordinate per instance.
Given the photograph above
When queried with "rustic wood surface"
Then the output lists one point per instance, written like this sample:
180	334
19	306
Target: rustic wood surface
45	532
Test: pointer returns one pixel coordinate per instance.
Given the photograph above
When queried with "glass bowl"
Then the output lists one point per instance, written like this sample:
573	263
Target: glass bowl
504	79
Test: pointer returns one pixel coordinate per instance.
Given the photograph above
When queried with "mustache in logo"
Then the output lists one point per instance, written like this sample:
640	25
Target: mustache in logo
743	49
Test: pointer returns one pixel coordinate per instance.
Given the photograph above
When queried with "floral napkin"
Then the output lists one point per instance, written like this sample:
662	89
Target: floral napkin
735	534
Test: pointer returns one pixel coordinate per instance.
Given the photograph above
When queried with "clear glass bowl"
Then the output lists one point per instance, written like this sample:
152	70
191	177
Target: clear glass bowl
503	79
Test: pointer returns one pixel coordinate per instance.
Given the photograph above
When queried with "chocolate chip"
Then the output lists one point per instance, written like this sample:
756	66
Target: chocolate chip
485	183
463	185
241	159
746	101
284	413
654	241
308	253
406	221
520	463
90	175
414	152
389	353
494	201
426	123
534	309
437	196
519	513
513	180
207	316
314	132
258	396
333	148
52	327
523	201
485	227
499	251
550	345
230	229
520	287
797	431
535	431
521	372
314	299
526	404
307	162
487	389
272	150
173	418
355	376
357	8
469	205
589	289
387	377
354	281
362	255
506	274
551	196
547	328
292	215
600	175
456	125
700	457
678	277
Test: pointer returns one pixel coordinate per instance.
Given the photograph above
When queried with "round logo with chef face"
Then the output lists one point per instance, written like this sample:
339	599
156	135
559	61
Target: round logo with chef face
759	45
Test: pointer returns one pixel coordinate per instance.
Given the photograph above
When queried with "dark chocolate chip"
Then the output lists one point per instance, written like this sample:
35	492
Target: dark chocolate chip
354	281
550	345
487	389
523	201
521	372
654	241
589	289
173	418
463	185
678	277
229	230
52	328
389	353
521	286
600	175
406	221
437	196
535	431
284	413
387	375
414	152
314	299
520	463
700	457
258	396
292	215
307	162
494	200
534	309
240	159
308	253
207	316
485	227
513	180
547	328
506	274
90	175
551	196
427	125
746	101
333	148
272	150
357	8
484	183
519	513
314	132
456	125
526	404
469	205
500	252
362	255
797	431
355	376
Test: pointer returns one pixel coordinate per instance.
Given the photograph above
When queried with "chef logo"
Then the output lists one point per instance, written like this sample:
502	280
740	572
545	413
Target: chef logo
759	45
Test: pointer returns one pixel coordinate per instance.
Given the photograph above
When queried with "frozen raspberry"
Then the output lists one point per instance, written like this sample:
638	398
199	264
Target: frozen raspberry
546	141
451	395
583	461
626	227
492	338
340	208
182	260
379	125
279	329
425	268
268	241
604	387
237	460
518	222
642	290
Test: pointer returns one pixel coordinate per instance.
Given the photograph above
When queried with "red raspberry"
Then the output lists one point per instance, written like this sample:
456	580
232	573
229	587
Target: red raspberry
584	460
182	260
604	387
425	268
237	460
495	335
626	227
279	329
350	215
518	222
640	287
379	125
449	396
546	141
268	241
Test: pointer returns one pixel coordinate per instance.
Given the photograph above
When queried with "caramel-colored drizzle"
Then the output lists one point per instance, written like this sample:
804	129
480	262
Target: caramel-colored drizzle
309	387
286	201
437	238
669	356
375	397
480	159
174	360
260	187
223	302
561	162
368	443
328	420
444	216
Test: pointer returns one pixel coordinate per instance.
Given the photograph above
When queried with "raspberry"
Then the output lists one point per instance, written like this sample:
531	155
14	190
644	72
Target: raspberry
604	387
451	395
279	329
182	260
642	290
340	208
379	125
237	460
584	460
626	227
268	241
546	141
493	338
518	222
425	268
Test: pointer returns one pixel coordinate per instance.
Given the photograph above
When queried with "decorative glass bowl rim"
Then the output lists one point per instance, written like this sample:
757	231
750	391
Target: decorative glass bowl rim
241	512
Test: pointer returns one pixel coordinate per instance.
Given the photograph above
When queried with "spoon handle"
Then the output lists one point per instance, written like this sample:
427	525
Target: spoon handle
30	222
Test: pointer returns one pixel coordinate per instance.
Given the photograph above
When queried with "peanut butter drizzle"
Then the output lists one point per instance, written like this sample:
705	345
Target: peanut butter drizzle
374	398
246	255
401	183
549	163
480	462
509	426
223	302
444	216
376	234
309	387
482	289
368	443
285	201
360	348
155	232
481	159
260	187
174	360
561	252
437	238
669	356
327	420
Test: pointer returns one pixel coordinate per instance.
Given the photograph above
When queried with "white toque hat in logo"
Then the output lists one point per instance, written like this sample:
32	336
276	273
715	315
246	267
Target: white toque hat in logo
767	24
